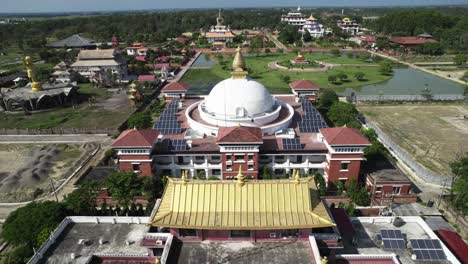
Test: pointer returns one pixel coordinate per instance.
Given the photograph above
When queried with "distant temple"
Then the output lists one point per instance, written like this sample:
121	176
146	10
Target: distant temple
95	64
75	41
349	26
220	34
295	18
315	29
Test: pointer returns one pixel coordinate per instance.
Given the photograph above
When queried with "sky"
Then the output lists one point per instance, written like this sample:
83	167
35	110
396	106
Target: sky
28	6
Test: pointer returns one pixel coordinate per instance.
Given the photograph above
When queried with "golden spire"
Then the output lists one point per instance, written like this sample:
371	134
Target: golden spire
238	66
157	260
35	84
133	87
324	260
184	175
297	177
240	177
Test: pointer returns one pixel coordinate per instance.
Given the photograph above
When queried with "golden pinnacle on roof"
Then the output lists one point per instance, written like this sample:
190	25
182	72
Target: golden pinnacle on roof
32	74
297	177
238	66
184	176
240	177
324	260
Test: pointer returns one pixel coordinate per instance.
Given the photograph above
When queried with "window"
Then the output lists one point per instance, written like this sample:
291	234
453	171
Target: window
344	166
378	189
251	167
251	156
136	166
228	157
396	190
239	157
187	232
290	233
215	157
240	233
216	172
229	167
200	158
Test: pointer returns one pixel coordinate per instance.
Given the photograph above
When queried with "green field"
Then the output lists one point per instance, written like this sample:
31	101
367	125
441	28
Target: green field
86	115
274	79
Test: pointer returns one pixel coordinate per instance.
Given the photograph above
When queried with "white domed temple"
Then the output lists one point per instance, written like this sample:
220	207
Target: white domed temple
240	125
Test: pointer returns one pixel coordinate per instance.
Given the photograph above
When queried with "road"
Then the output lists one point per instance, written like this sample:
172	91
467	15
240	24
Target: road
278	43
103	140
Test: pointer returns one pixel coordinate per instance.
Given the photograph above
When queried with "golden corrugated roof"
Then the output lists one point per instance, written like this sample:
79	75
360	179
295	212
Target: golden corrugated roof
254	205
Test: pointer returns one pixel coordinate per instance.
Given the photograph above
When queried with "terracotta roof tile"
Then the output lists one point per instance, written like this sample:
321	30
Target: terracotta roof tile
411	40
344	136
303	85
176	86
454	243
239	135
136	138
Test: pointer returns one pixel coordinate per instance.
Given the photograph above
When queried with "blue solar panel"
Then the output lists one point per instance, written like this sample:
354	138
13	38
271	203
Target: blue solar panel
427	249
391	234
392	239
292	144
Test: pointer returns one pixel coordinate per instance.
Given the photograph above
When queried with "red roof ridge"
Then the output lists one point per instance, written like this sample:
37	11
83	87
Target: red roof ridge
136	138
240	134
176	86
344	136
303	84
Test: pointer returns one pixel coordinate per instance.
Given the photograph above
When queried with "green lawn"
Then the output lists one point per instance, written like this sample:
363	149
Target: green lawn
274	79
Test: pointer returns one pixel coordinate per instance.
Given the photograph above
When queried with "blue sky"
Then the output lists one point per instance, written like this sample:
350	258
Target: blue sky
26	6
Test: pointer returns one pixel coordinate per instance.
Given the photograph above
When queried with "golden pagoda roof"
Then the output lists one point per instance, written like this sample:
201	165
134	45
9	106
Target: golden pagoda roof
253	205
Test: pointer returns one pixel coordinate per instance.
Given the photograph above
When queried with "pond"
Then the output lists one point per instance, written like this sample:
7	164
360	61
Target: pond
408	81
203	61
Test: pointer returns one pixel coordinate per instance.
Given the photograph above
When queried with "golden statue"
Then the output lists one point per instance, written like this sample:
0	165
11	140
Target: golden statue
35	84
324	260
297	176
238	66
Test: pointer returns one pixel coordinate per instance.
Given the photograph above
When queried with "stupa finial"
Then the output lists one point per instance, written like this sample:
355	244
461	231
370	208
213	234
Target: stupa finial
35	84
238	65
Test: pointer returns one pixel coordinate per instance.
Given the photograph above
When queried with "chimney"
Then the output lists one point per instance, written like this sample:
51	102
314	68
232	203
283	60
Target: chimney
189	144
160	138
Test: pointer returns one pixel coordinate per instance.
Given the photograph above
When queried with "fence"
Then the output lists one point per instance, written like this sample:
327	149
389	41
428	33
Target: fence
436	97
423	173
57	131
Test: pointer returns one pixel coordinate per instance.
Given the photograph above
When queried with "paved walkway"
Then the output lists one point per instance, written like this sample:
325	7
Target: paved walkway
278	43
185	68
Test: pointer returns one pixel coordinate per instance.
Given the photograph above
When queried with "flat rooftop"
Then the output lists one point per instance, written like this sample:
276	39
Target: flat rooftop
114	237
245	252
366	239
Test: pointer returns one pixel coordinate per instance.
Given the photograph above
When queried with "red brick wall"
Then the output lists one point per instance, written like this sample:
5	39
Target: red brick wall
235	166
334	171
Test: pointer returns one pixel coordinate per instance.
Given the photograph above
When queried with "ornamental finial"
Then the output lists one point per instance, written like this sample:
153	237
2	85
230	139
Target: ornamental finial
238	65
240	177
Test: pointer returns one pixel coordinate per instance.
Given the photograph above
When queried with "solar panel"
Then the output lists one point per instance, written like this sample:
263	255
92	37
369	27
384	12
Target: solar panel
169	131
391	234
427	249
292	143
392	239
177	145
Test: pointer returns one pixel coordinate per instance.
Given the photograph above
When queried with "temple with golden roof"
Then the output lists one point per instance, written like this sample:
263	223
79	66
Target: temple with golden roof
254	210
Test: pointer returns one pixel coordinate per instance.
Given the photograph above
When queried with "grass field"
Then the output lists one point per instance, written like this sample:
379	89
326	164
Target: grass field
274	79
433	133
96	116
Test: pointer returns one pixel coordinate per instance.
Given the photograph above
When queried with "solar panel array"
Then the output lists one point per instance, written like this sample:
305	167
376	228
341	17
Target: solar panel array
291	144
427	249
167	122
312	120
392	239
176	144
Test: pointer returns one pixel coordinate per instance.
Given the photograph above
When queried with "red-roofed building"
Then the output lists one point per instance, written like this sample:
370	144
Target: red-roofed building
140	58
454	242
146	78
305	88
133	149
346	147
239	146
412	42
175	90
182	40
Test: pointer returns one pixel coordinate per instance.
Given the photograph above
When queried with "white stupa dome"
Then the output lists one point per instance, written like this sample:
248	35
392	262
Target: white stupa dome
239	98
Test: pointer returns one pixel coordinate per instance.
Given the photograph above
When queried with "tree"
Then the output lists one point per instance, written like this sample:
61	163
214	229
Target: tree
431	48
459	197
341	113
335	52
20	255
266	173
385	68
321	184
327	98
332	78
460	59
339	187
358	194
83	200
152	188
139	120
342	76
359	76
306	36
286	78
123	186
24	224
